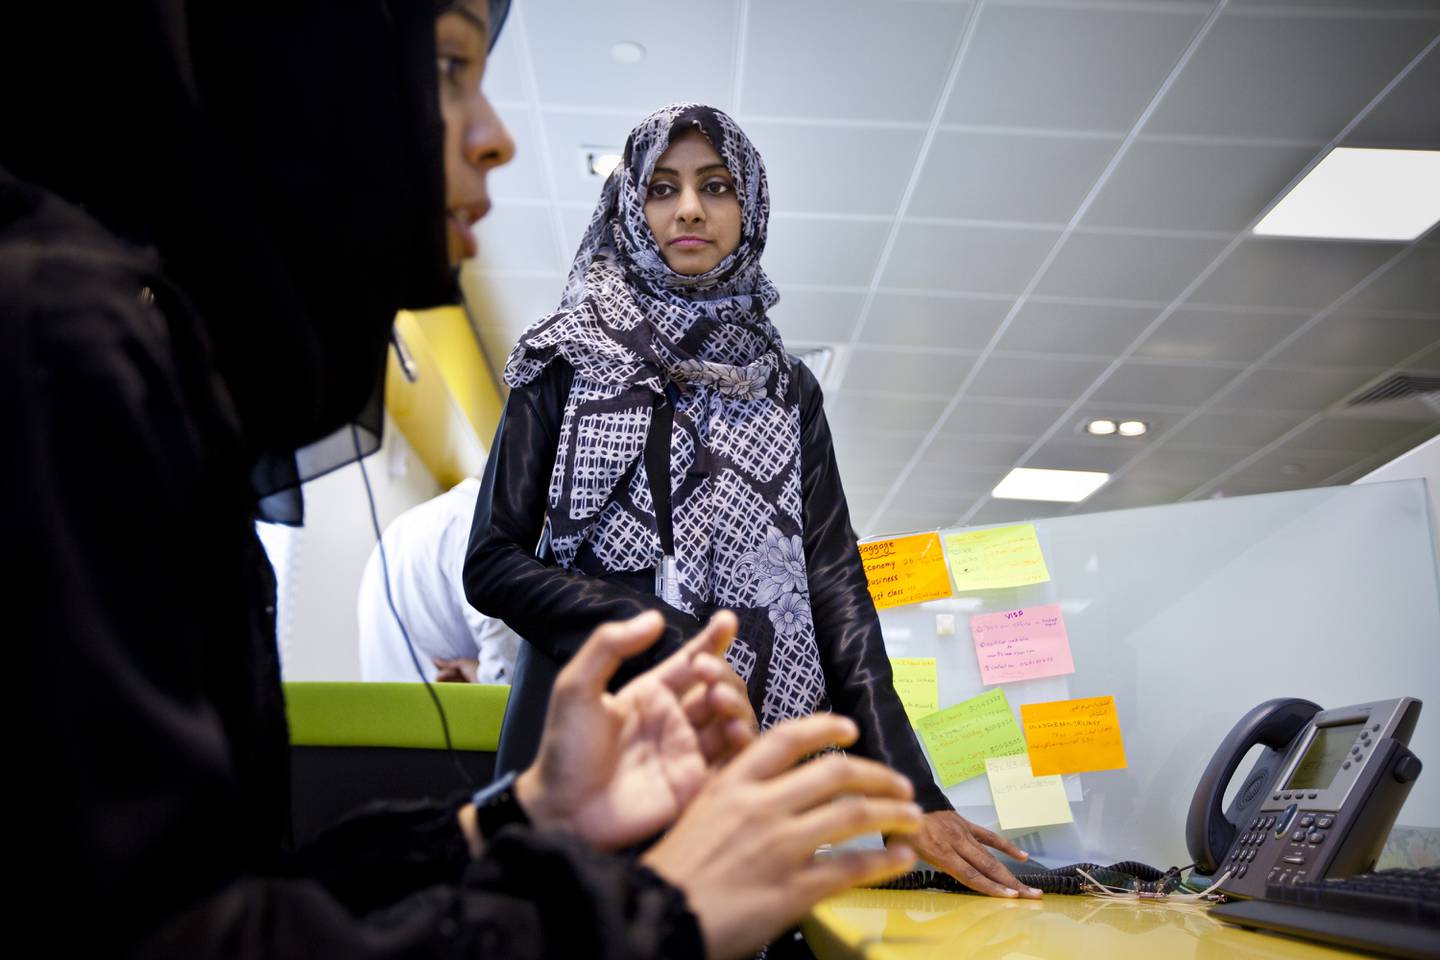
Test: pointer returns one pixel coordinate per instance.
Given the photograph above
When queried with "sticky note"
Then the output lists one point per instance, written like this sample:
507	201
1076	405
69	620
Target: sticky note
1023	800
915	683
905	570
1021	644
959	738
995	558
1072	736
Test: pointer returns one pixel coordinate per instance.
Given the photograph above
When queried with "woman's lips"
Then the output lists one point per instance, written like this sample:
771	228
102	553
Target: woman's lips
460	222
688	242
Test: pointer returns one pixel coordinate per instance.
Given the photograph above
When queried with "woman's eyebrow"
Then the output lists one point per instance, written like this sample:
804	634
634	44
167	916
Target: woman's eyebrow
471	17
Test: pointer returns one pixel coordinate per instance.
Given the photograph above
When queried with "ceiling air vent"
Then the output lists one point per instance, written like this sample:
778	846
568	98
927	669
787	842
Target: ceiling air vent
1402	386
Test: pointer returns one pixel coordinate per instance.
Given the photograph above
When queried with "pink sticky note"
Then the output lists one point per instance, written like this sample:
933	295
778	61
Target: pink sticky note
1021	644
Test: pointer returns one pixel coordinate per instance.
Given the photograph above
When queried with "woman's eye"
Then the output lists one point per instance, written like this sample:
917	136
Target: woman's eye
450	67
717	187
661	189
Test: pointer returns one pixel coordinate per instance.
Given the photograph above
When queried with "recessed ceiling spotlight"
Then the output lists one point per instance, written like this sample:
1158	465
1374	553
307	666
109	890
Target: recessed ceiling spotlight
1063	486
1361	194
1100	428
627	52
599	161
1133	428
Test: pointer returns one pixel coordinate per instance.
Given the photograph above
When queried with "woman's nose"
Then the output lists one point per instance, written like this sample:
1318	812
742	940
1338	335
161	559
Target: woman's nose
487	143
690	209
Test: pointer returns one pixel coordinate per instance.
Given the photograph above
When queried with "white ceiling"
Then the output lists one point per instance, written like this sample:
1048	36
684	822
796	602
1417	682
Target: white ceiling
1014	215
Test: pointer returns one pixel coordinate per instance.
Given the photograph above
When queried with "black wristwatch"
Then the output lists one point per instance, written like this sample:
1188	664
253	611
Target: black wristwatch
497	806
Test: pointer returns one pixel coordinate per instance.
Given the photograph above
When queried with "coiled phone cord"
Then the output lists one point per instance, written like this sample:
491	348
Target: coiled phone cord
1127	873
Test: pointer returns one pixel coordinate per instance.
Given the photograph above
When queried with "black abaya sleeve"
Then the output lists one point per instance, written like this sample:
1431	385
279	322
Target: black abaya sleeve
857	669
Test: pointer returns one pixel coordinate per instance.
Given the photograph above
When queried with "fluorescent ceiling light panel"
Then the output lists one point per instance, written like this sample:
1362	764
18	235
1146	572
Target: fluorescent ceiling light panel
1361	194
1064	486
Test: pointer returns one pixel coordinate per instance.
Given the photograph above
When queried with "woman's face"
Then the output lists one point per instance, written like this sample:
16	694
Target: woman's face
692	207
475	140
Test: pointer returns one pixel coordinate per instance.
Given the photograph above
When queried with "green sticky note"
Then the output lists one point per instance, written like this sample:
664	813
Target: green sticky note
1022	800
915	683
959	738
995	558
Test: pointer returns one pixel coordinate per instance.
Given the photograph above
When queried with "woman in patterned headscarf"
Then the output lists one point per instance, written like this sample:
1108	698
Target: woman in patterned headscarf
662	351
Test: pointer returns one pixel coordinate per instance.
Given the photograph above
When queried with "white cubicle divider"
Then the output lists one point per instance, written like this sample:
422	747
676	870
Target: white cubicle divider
1192	613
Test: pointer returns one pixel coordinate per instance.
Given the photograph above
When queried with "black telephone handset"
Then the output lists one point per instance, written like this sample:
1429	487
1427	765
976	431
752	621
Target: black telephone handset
1320	800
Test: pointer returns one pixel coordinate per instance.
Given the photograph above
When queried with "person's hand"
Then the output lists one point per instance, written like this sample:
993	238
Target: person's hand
957	846
455	669
618	768
744	851
748	714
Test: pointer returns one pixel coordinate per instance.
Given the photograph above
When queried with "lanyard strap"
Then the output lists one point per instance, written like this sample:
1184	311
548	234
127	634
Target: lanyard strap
657	465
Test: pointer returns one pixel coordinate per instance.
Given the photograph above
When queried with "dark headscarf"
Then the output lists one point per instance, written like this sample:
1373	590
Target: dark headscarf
629	325
285	160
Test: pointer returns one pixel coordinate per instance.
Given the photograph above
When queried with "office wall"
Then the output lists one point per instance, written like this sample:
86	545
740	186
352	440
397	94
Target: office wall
1422	463
318	629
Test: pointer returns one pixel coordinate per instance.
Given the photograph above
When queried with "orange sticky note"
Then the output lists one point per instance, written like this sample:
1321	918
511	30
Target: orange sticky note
905	570
1073	736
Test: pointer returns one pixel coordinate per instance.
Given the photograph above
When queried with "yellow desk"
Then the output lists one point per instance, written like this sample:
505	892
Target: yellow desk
921	925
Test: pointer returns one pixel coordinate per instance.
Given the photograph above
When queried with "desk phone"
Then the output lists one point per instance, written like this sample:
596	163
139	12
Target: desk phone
1318	803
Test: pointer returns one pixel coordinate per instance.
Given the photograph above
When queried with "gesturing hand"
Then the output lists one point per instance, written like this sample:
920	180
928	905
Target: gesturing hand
957	846
744	850
618	768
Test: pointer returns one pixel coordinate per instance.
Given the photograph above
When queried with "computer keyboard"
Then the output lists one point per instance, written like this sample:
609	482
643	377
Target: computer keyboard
1394	912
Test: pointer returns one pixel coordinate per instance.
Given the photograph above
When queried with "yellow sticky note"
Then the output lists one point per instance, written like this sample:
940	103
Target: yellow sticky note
916	685
1073	736
1023	800
905	570
959	738
995	558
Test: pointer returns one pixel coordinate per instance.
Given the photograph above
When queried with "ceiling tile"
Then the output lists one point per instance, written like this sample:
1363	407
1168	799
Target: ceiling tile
504	79
1127	493
972	259
1055	379
1016	511
1354	6
1252	430
851	410
1080	69
1429	360
1272	272
1286	77
1078	328
565	133
1163	384
862	471
570	46
517	238
847	58
831	252
817	169
877	444
1361	341
1340	434
1409	116
978	418
900	519
1005	176
1189	334
1298	468
973	454
1182	470
1413	284
1090	453
875	368
1195	186
1301	389
949	484
1127	267
816	316
522	178
914	320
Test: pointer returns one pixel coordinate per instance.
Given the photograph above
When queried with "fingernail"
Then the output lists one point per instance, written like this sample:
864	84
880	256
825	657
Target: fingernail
1011	893
1036	891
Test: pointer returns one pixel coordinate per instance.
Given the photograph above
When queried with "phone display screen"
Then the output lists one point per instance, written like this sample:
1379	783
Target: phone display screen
1323	757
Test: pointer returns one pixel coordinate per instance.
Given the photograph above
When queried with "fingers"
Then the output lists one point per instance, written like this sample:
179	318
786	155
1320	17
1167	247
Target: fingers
951	847
678	670
849	817
591	669
831	874
992	839
788	743
830	776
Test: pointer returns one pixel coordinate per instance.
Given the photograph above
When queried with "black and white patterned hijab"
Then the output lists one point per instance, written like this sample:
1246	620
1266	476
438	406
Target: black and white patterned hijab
629	325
